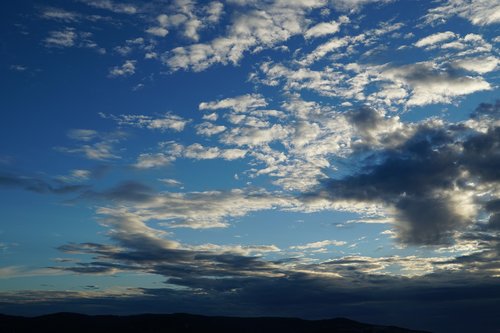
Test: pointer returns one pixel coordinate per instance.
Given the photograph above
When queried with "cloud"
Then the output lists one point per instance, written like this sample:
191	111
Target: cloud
143	248
479	65
478	12
70	37
430	84
82	134
236	249
426	181
148	161
18	68
241	103
116	7
127	192
325	48
214	10
374	129
168	121
93	145
76	175
250	136
209	129
170	182
299	295
37	184
9	272
157	31
355	5
127	69
436	38
96	151
264	25
63	38
147	46
319	244
199	152
325	28
59	14
186	17
454	43
196	210
415	84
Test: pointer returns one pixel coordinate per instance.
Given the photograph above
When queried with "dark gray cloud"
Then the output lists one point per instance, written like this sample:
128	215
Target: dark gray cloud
385	301
423	179
375	129
130	191
487	110
493	207
37	185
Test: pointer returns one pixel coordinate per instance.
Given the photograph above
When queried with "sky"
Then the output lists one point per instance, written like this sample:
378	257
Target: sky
308	158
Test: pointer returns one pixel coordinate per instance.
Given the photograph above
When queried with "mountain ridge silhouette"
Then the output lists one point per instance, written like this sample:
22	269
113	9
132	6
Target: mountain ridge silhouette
185	323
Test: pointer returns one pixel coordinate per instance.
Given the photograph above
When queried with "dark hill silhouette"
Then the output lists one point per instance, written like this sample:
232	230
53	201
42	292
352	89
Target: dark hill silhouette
184	323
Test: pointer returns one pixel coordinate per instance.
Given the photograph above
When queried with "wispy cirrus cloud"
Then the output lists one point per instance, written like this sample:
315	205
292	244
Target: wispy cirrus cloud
478	12
116	7
92	144
168	121
70	37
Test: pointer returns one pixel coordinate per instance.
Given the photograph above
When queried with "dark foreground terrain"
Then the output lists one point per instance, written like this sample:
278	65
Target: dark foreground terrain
184	323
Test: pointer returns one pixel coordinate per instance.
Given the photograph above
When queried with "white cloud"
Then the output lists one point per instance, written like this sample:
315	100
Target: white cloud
260	26
127	69
151	55
214	10
168	121
238	104
430	85
115	7
157	31
76	175
251	136
264	26
436	38
479	65
82	134
478	12
366	38
245	250
449	41
80	174
101	149
320	244
170	182
63	38
325	28
210	116
209	129
96	151
354	5
148	161
199	210
322	50
18	68
199	152
59	15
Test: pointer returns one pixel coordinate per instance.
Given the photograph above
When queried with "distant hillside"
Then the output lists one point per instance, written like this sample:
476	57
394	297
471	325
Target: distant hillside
184	323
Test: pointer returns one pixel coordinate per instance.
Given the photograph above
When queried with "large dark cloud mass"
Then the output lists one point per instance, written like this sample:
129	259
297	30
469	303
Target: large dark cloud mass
425	177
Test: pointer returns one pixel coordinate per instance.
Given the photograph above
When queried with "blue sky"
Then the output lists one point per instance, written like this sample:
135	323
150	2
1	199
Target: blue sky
170	156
